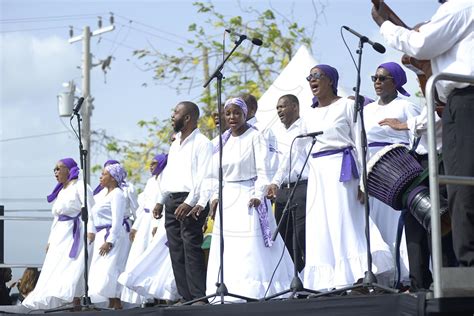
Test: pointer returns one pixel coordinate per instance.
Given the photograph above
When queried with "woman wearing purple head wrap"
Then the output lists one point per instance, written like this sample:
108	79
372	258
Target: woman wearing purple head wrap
127	188
379	118
61	279
248	219
110	230
335	241
149	274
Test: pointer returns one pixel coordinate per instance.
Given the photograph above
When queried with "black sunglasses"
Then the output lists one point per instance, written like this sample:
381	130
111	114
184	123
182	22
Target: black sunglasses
381	78
315	76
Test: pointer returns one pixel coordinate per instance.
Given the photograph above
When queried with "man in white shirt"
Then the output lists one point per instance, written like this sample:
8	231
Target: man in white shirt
188	160
267	133
285	179
447	41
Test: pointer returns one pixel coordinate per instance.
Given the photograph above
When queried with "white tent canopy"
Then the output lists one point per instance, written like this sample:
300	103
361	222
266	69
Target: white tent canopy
292	80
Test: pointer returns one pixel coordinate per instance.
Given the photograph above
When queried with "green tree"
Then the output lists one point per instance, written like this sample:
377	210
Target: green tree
251	69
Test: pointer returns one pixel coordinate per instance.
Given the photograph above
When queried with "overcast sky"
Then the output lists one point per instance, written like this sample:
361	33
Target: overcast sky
36	59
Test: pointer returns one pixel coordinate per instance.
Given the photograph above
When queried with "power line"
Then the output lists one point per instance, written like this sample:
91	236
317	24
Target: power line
32	136
50	18
35	29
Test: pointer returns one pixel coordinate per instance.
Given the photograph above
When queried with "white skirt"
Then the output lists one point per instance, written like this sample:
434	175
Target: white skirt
248	264
151	274
139	245
105	270
336	251
61	278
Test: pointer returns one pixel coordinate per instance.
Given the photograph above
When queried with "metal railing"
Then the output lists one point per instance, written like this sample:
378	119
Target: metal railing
2	237
436	179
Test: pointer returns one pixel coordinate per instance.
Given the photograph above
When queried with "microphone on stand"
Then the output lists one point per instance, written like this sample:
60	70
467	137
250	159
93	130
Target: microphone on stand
313	134
377	46
255	41
77	107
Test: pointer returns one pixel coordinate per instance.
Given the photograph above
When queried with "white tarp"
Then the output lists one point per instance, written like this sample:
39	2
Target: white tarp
292	80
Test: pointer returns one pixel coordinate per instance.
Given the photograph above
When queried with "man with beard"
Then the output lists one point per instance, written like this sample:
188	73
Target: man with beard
188	160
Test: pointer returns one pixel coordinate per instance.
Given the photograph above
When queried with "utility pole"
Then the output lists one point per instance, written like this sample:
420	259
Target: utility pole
86	74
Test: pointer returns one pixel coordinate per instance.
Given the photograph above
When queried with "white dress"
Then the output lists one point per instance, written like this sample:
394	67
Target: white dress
385	217
151	274
62	277
335	220
105	270
143	225
248	263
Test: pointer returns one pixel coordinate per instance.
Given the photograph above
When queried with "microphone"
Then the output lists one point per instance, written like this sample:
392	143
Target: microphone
77	107
255	41
313	134
377	46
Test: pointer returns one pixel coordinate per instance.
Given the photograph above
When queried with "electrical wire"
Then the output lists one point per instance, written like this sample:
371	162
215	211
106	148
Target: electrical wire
31	136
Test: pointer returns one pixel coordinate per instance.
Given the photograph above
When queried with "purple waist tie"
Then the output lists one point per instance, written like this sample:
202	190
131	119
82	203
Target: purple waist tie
348	166
383	144
108	227
262	211
146	210
75	233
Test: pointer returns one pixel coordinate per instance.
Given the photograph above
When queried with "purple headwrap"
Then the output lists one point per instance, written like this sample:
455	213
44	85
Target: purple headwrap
99	188
398	74
226	135
239	102
332	74
73	174
118	173
162	160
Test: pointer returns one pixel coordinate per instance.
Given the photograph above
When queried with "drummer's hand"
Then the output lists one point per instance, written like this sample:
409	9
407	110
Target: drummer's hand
394	123
360	196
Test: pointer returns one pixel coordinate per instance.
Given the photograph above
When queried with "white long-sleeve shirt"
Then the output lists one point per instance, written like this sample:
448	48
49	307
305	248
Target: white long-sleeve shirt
447	40
188	162
110	209
418	126
297	160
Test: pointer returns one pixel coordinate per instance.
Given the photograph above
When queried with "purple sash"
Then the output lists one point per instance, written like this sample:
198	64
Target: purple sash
383	144
262	211
108	227
146	210
348	166
75	233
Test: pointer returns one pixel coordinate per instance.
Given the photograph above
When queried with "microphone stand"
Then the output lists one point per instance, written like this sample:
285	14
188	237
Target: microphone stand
221	290
369	282
296	285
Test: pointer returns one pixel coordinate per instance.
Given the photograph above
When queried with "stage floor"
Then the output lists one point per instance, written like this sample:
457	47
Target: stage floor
354	305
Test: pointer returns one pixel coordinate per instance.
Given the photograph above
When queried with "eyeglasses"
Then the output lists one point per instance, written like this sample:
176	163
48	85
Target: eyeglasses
315	76
381	78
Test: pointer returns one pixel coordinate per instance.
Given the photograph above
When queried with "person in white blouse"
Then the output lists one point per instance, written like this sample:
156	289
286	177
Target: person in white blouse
284	180
447	41
109	228
131	208
388	80
188	160
250	257
61	280
336	251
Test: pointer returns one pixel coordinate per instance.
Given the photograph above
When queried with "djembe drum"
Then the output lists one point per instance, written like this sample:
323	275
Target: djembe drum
396	178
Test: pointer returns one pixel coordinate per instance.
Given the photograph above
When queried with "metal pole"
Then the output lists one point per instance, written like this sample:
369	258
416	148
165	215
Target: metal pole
434	190
2	236
86	110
